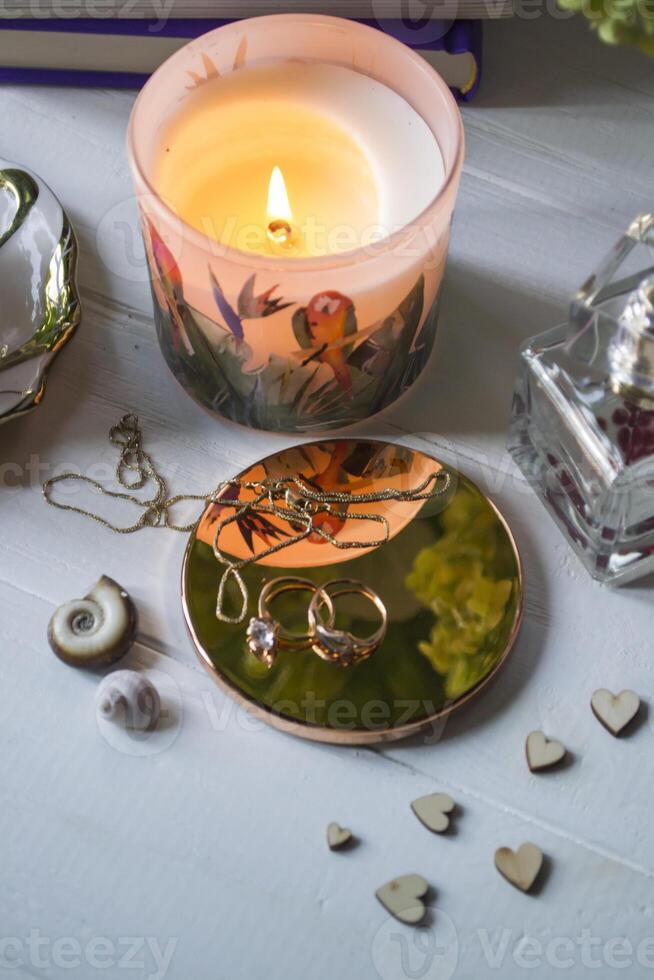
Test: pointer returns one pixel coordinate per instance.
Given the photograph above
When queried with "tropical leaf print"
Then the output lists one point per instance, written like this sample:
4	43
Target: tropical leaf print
340	373
211	69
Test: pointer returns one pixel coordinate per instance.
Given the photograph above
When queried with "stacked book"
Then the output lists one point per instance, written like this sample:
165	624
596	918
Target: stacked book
119	43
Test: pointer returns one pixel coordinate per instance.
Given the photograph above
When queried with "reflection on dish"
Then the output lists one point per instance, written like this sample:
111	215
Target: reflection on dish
449	578
348	465
461	579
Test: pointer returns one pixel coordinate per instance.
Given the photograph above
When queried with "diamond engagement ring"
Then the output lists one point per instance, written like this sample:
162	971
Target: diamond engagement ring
265	635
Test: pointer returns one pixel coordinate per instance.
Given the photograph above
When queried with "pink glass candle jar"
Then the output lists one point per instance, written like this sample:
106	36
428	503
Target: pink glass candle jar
296	177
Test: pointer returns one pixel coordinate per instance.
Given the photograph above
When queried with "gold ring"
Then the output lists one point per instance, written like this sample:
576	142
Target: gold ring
341	646
265	635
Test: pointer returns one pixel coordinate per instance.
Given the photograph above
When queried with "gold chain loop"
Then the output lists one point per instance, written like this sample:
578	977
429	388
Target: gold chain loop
290	499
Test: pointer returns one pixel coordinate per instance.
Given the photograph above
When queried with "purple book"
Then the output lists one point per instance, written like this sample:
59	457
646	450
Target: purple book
123	53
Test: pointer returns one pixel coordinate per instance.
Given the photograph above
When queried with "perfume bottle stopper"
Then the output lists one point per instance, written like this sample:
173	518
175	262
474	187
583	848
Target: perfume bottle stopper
631	352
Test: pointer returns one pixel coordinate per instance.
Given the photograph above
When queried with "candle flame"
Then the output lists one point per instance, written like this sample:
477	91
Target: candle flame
278	203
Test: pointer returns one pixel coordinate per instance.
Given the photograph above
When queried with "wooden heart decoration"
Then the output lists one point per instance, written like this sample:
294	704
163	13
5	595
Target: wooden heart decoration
520	867
402	898
543	753
432	811
615	711
338	836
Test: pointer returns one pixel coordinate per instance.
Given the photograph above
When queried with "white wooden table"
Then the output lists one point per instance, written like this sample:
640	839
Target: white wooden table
204	846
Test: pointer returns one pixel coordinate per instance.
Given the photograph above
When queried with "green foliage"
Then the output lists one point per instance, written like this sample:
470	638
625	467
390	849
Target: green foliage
286	393
619	21
301	328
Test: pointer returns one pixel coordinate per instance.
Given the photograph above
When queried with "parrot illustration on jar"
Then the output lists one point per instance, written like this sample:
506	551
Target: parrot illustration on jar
322	327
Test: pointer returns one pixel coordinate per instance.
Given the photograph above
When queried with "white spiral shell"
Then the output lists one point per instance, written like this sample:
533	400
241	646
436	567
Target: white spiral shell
97	630
130	699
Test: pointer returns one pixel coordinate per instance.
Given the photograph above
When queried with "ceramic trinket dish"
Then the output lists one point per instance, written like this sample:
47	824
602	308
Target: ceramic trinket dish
40	304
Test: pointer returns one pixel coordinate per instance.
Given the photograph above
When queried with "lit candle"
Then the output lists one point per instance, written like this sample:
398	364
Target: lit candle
280	231
357	159
296	177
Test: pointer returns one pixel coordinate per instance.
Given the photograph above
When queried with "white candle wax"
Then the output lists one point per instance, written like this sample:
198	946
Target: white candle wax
358	161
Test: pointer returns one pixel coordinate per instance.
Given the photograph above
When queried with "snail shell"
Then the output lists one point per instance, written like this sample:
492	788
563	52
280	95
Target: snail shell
97	630
130	699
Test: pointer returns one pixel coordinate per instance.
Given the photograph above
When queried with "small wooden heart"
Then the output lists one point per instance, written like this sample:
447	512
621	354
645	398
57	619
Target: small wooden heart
520	867
402	898
338	836
432	811
543	753
615	711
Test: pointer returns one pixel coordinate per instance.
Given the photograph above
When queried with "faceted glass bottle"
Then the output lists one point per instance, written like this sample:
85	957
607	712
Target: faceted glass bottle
582	429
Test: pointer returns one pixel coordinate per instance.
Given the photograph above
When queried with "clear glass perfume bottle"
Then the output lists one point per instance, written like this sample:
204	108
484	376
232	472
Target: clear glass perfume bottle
582	429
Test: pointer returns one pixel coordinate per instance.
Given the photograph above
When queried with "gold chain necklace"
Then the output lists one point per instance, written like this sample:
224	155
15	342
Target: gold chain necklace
290	499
